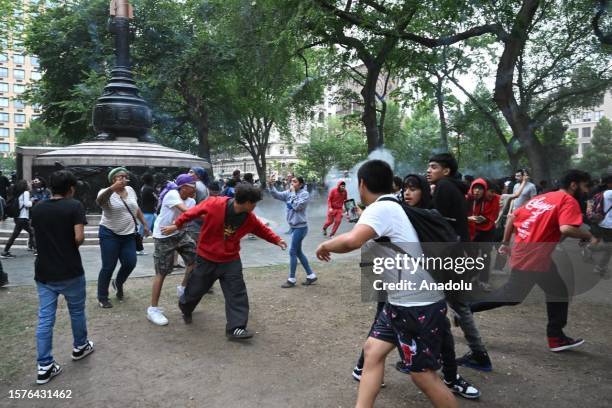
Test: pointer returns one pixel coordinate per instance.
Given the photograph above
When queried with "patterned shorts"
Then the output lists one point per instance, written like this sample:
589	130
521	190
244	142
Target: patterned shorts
163	257
415	331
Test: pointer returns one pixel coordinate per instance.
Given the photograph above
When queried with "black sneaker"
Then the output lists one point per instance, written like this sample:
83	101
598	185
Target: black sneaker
357	376
187	318
83	351
309	281
45	374
402	368
463	388
288	284
7	255
3	279
239	334
478	360
118	289
105	304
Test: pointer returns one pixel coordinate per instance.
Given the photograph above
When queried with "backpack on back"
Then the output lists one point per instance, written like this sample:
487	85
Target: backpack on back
12	209
595	213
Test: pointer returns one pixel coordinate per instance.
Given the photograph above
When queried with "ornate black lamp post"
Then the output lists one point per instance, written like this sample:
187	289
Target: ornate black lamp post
120	111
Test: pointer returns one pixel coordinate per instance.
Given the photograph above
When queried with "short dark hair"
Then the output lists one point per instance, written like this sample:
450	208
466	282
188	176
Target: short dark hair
446	160
61	181
214	186
300	180
247	193
377	176
574	176
147	178
248	177
397	180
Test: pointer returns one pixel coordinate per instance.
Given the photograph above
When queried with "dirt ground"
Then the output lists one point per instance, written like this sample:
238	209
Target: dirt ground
306	345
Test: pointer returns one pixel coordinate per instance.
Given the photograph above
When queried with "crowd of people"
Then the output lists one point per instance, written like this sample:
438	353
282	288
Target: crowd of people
203	222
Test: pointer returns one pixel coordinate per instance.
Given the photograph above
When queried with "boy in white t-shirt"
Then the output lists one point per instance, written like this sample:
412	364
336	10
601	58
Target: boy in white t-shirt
174	203
412	320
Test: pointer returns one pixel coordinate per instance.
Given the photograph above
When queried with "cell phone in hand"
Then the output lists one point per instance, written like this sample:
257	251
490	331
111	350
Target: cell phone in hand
351	209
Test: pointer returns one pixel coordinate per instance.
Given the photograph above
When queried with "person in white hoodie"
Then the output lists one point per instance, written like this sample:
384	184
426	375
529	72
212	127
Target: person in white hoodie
22	221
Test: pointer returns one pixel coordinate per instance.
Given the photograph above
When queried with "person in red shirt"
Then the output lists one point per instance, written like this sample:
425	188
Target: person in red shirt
335	207
225	221
483	209
538	226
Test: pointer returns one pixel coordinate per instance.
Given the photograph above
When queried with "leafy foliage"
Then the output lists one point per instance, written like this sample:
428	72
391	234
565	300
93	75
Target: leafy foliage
597	159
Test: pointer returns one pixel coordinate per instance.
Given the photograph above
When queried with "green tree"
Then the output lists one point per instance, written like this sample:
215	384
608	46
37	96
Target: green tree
37	134
597	157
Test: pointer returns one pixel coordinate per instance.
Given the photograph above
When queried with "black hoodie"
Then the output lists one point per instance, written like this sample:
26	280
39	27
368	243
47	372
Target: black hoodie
449	200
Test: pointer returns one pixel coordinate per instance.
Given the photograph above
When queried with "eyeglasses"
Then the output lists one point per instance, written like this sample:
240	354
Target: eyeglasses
123	176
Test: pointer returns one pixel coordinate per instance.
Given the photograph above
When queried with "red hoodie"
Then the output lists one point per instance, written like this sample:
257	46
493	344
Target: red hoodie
336	199
214	246
488	208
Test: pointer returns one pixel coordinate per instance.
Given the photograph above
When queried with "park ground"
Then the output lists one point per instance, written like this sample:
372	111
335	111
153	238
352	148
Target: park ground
306	343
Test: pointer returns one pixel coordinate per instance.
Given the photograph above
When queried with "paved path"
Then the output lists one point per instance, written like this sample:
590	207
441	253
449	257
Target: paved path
254	252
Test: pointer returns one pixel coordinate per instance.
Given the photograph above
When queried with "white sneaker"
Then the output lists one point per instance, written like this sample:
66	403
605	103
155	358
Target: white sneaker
141	253
156	316
180	290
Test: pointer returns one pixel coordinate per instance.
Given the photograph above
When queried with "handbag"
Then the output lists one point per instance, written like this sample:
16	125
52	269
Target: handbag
137	236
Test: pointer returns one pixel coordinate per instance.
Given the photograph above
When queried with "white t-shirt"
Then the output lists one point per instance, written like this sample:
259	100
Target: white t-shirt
24	204
114	214
607	204
388	219
168	212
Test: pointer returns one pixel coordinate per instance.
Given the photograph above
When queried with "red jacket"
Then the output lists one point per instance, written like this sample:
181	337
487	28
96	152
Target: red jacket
214	245
336	199
488	208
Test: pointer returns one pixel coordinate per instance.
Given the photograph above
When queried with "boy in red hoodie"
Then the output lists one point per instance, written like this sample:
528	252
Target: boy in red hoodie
226	221
335	207
483	209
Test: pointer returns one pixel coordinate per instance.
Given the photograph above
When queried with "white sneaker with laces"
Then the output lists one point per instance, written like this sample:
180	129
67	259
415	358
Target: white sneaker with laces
180	290
156	316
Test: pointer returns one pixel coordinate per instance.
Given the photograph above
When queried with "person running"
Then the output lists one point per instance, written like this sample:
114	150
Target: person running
58	270
226	221
296	200
335	207
449	200
117	233
21	193
528	191
412	320
175	202
603	230
538	226
148	205
483	209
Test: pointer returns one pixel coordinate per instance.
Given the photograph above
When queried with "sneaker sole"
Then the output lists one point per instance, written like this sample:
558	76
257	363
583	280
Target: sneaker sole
476	367
566	347
41	382
84	355
356	377
156	323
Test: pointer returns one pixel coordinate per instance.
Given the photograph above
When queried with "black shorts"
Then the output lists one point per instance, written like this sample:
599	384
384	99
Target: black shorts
416	332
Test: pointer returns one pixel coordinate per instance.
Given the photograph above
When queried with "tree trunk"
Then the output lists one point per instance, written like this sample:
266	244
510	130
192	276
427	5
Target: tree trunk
443	125
381	123
203	131
368	117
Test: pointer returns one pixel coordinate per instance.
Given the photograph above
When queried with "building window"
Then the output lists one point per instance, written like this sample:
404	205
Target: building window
584	147
4	117
3	72
4	102
3	87
17	131
35	75
598	115
3	58
34	61
4	132
281	149
321	117
5	147
18	88
18	104
35	117
586	132
18	59
20	118
19	74
586	116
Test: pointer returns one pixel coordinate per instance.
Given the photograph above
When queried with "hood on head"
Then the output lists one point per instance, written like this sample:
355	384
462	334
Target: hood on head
340	182
482	182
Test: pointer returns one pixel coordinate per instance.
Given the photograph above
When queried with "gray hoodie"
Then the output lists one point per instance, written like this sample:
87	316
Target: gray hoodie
296	205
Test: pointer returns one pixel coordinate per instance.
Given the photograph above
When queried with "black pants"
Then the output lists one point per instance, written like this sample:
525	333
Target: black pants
449	363
21	224
485	240
518	287
232	283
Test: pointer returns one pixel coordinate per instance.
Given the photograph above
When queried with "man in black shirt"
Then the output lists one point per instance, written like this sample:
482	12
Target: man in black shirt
148	204
449	199
5	183
60	225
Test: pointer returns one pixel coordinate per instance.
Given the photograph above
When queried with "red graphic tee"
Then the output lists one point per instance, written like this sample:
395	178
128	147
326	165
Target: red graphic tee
537	229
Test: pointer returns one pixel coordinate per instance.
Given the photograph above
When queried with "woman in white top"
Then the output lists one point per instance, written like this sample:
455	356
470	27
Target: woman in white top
117	233
22	222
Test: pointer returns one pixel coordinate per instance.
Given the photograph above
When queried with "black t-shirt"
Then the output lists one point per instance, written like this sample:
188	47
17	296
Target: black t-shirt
58	255
233	221
449	200
148	200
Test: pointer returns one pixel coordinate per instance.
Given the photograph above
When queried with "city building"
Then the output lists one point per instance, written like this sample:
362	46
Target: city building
583	122
17	70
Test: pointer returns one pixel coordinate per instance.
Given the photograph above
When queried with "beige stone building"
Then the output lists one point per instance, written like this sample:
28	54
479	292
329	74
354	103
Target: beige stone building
582	123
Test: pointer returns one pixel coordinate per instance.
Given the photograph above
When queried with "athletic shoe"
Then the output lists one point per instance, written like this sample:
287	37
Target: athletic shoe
288	284
357	376
119	289
187	318
324	233
463	388
563	343
141	253
156	316
45	374
478	360
603	272
402	368
7	255
3	279
105	304
83	351
309	281
239	334
180	290
485	286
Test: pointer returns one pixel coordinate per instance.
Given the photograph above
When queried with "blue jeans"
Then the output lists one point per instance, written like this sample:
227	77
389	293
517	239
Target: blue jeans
74	293
115	248
295	252
150	220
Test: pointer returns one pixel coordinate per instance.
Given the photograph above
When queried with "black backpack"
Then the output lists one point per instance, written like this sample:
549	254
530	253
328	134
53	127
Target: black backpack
12	208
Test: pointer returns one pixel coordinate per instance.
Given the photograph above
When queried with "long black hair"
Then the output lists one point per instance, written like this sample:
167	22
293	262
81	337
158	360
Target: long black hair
20	187
419	182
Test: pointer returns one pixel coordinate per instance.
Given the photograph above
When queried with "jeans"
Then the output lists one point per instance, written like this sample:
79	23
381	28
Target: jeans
485	238
295	252
115	248
21	224
74	293
150	220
